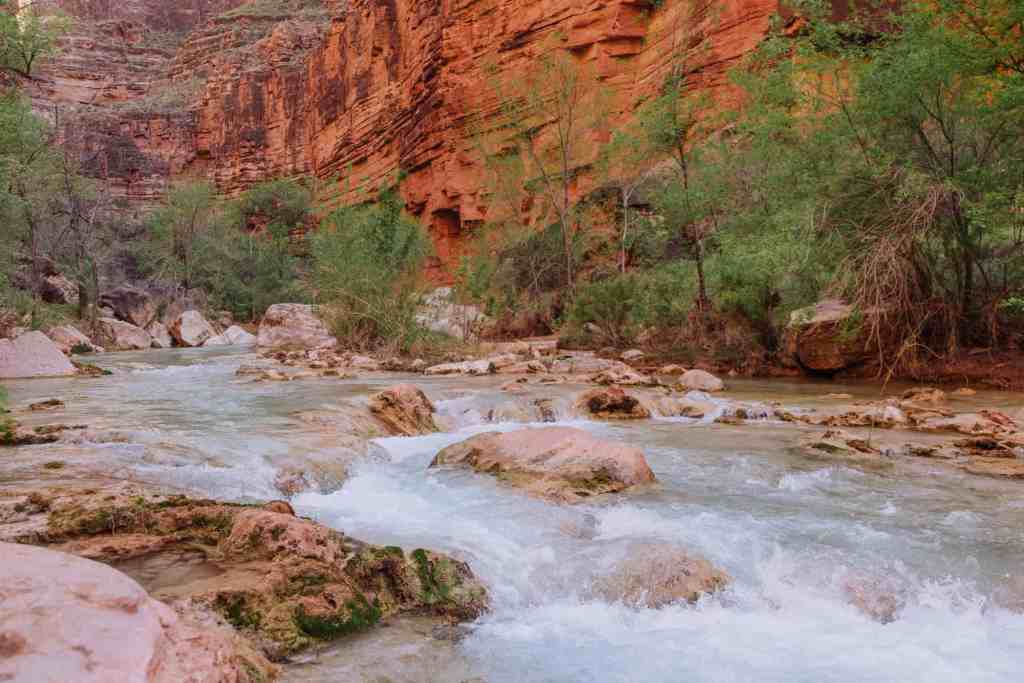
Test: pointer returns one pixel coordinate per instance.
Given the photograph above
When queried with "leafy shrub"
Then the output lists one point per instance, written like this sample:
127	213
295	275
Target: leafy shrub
611	306
366	260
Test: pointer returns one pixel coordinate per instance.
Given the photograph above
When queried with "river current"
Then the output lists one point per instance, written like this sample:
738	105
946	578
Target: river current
794	534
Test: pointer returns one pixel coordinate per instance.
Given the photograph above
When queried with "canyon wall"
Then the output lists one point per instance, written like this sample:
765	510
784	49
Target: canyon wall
348	91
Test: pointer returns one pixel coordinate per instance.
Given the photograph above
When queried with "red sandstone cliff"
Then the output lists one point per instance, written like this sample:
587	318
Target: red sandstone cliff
354	89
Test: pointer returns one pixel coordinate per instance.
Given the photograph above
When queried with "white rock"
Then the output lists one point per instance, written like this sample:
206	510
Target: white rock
65	618
632	356
233	336
701	381
191	329
67	338
33	354
122	336
294	325
160	334
469	367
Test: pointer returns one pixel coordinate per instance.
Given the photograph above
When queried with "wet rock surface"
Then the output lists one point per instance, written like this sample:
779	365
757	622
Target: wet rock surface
559	463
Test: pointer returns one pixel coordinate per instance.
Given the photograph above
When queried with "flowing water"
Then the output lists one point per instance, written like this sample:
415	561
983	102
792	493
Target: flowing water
795	535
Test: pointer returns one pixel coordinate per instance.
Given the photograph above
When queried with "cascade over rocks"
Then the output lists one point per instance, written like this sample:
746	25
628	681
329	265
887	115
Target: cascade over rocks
33	354
654	575
559	463
191	329
293	325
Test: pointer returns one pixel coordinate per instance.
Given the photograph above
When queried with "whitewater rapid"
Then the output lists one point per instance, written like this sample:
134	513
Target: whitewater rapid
794	535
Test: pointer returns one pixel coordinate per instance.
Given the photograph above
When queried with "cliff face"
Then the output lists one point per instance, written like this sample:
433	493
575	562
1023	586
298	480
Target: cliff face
354	89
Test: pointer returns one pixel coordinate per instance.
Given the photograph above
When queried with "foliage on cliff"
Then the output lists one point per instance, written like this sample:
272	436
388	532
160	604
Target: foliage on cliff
876	158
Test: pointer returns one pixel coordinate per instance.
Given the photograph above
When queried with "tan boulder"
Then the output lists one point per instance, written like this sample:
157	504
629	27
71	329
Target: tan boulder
122	336
469	367
559	463
632	356
699	380
924	395
130	304
671	370
658	574
191	329
820	339
33	354
232	336
404	409
70	339
835	444
293	325
161	335
612	403
622	375
65	618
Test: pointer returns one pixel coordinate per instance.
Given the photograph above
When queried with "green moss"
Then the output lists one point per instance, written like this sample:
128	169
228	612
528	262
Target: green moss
54	465
357	616
236	612
432	578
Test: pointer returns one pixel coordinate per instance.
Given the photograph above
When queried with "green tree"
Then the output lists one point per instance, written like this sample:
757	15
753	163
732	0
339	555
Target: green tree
27	36
181	233
366	261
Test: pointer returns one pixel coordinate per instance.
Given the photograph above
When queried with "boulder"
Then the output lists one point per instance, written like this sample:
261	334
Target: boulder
439	312
161	335
622	375
130	304
924	395
233	336
698	380
405	410
469	367
122	336
612	403
876	598
559	463
191	329
632	356
33	354
658	574
820	339
671	370
57	289
365	363
293	325
66	618
835	444
69	339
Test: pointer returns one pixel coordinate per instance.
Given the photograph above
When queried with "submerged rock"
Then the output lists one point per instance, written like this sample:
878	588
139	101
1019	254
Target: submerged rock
560	463
612	403
65	618
874	597
33	354
658	574
294	325
405	410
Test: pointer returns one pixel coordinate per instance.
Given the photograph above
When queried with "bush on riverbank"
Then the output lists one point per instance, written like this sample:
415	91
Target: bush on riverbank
366	261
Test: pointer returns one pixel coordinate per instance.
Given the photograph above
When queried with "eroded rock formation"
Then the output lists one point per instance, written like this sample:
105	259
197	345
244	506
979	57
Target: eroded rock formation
357	88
